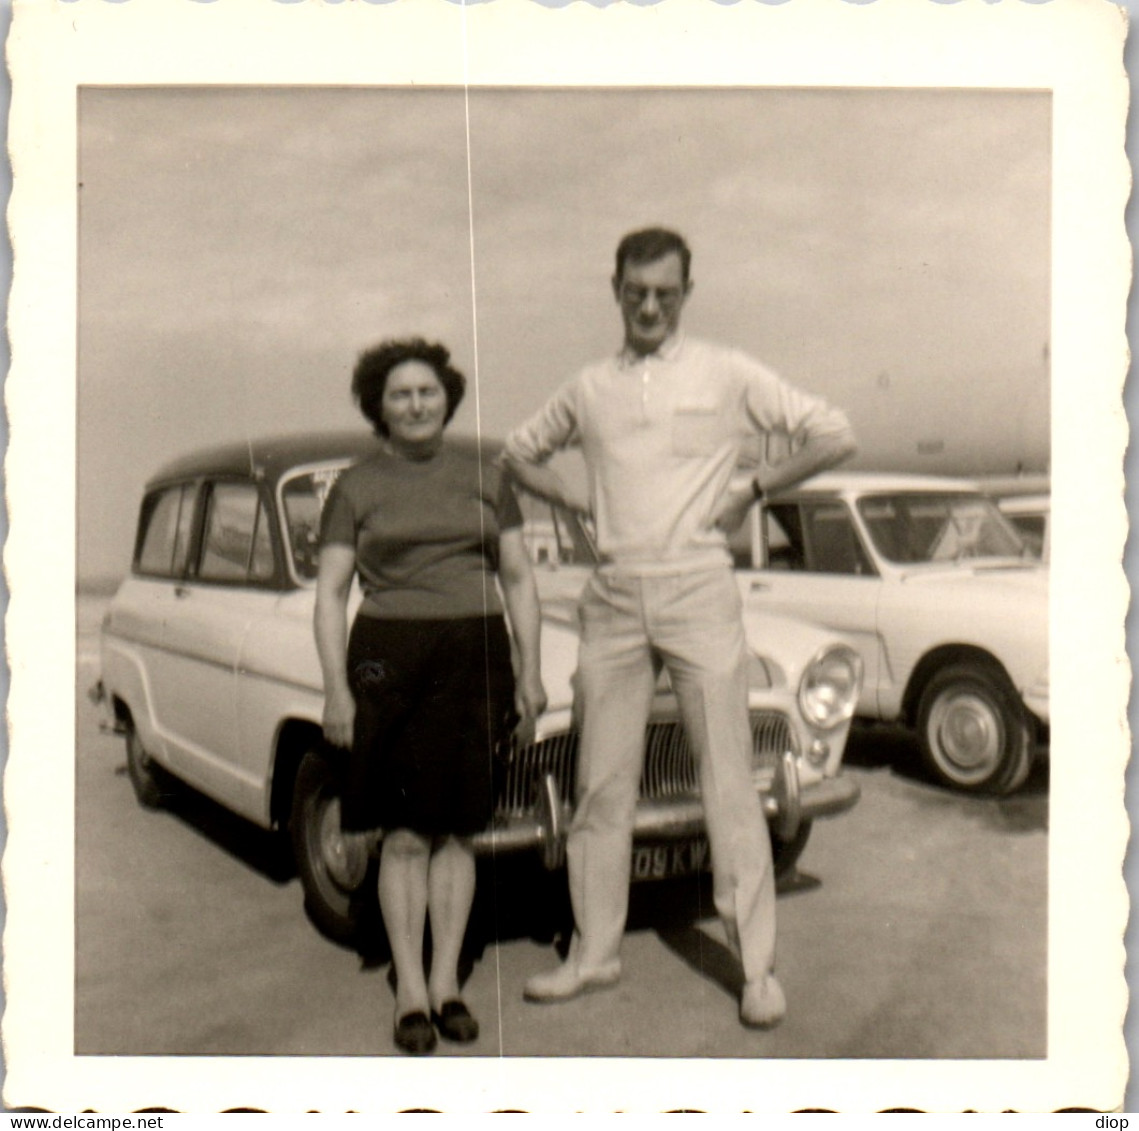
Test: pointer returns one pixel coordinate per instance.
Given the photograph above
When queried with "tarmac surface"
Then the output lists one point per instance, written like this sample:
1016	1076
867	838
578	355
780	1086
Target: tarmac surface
915	928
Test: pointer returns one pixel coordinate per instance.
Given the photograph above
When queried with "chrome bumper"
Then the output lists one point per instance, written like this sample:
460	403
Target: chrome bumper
785	805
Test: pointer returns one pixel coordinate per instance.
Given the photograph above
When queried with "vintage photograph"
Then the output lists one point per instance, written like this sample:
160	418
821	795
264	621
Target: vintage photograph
563	570
885	252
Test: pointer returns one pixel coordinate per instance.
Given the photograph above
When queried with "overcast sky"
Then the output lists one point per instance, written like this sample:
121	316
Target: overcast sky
238	247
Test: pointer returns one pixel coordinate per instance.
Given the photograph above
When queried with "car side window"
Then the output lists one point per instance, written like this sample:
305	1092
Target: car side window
831	541
236	544
814	538
783	537
1031	529
167	525
574	538
540	535
555	537
739	545
303	496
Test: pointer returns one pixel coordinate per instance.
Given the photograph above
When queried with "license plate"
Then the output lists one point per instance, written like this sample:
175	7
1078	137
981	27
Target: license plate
669	858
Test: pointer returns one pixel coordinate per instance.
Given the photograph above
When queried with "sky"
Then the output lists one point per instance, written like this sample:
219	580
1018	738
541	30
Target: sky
238	247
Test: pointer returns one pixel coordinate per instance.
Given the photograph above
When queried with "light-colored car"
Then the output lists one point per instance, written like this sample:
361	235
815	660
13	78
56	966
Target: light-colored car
946	604
210	671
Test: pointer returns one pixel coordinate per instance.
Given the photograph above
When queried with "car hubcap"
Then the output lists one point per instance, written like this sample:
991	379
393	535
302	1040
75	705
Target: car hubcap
345	858
967	734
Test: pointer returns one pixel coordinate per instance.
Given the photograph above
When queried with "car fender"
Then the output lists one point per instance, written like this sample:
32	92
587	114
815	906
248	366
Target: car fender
1002	616
788	644
124	679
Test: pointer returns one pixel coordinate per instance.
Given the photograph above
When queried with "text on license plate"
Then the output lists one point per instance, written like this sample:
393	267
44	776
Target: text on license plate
670	858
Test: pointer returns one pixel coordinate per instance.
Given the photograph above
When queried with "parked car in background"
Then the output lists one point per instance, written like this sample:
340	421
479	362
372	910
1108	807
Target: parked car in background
1031	515
947	606
210	672
1025	499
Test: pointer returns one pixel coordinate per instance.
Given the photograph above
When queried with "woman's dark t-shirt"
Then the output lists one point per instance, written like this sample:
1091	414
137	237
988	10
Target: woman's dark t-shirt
425	532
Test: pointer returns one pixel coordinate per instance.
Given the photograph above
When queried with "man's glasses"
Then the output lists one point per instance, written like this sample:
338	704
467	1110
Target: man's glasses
666	297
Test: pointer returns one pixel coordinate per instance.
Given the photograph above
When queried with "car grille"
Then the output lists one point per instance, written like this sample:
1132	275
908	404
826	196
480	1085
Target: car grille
669	769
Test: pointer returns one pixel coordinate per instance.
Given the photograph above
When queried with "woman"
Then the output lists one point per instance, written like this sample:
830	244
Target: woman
422	692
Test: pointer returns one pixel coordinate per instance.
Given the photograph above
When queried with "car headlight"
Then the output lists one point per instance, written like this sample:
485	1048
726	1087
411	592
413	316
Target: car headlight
830	685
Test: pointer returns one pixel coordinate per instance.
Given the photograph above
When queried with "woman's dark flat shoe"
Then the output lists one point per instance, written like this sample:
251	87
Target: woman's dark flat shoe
415	1034
455	1023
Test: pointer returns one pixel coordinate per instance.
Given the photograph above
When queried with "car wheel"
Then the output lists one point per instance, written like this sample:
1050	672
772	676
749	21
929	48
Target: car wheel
153	786
785	853
337	873
974	732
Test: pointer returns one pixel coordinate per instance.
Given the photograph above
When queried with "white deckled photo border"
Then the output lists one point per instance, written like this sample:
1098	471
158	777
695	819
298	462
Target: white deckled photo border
1072	48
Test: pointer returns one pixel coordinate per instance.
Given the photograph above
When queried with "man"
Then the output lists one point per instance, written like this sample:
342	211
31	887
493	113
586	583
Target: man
661	426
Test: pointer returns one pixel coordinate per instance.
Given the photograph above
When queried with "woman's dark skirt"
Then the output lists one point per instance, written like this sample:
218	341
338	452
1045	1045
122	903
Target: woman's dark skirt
434	709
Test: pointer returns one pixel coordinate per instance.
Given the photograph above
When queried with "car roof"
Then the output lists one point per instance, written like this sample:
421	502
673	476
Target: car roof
269	457
862	482
1025	504
1038	483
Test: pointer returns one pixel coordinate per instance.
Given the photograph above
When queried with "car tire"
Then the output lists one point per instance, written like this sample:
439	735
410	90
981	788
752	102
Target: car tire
338	876
785	853
974	732
153	786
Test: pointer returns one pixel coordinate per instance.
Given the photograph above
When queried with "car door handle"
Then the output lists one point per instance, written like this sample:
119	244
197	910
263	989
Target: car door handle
181	591
760	586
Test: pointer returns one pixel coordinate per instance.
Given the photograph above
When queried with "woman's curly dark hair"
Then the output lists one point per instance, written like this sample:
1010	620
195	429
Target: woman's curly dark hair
370	377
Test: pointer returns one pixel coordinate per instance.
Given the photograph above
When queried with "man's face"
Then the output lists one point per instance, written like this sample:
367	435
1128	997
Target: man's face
651	296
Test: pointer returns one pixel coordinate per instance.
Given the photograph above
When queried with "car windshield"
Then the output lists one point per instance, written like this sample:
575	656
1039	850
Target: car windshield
919	528
303	495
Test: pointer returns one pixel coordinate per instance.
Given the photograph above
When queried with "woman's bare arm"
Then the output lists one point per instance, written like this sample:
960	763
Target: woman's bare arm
330	625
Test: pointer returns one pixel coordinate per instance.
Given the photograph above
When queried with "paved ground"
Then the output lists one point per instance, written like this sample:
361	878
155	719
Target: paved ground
917	928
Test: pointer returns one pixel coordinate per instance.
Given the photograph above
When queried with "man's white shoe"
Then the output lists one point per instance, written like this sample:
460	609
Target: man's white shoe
568	981
762	1004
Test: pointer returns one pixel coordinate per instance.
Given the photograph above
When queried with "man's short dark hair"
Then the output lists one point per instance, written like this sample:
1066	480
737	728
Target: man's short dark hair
370	377
650	244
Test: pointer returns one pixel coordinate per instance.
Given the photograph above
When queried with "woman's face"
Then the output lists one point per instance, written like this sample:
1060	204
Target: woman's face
414	405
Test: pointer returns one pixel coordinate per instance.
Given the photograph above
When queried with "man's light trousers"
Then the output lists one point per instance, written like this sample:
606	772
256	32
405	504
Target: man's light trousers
692	622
